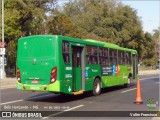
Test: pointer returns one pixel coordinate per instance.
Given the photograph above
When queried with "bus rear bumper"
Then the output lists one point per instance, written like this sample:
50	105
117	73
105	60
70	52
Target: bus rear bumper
54	87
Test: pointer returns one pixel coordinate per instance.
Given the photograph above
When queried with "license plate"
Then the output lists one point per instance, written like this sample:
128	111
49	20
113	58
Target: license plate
34	88
35	81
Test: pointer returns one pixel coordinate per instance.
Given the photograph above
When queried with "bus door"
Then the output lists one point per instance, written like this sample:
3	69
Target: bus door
78	67
135	65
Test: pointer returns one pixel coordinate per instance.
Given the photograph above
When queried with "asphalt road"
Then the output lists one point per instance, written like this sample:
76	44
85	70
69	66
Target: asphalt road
111	99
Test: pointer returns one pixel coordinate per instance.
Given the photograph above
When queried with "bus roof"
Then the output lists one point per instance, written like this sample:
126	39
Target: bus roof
110	45
87	41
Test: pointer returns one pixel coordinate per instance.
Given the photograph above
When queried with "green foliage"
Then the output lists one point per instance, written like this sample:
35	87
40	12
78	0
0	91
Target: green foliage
156	38
25	17
156	33
11	54
150	56
62	25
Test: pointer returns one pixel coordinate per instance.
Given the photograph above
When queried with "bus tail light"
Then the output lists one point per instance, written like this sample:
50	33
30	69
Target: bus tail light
53	75
18	75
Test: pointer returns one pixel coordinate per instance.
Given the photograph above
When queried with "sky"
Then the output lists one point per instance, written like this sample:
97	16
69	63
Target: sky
147	10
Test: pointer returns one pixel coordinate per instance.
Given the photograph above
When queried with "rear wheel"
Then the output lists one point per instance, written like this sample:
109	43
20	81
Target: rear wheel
96	87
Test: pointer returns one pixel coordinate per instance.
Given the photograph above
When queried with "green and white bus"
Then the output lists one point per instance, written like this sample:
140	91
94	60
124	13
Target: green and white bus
61	64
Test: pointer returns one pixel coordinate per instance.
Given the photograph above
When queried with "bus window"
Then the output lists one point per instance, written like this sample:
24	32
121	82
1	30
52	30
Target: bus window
88	53
113	56
128	58
91	55
103	56
94	55
121	57
65	52
100	55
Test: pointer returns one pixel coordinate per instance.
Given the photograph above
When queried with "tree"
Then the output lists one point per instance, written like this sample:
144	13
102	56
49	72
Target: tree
24	17
156	37
62	25
156	33
11	54
150	57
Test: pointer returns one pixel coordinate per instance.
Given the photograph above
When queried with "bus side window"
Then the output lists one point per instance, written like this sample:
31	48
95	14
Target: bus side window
65	52
100	55
91	54
103	56
128	58
88	53
121	57
94	55
113	56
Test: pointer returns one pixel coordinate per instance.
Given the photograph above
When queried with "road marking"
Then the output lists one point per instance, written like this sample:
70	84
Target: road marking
140	80
128	90
63	111
74	108
157	82
147	78
11	102
21	100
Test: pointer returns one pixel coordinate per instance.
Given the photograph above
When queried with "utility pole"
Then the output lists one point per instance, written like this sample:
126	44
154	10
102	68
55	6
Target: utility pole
2	65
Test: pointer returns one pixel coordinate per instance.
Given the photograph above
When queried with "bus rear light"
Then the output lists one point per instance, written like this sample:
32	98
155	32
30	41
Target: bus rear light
18	75
53	75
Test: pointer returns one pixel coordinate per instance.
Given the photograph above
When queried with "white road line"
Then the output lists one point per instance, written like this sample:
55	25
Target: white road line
141	80
157	82
21	100
63	111
147	78
11	102
128	90
74	108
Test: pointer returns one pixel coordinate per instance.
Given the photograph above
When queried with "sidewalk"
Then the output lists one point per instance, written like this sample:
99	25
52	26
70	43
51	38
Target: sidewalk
145	72
8	81
12	81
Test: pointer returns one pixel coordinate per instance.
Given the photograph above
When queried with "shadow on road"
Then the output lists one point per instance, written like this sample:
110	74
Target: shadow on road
64	98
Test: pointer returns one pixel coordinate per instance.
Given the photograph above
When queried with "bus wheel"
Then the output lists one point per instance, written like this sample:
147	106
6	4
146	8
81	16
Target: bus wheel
96	87
128	84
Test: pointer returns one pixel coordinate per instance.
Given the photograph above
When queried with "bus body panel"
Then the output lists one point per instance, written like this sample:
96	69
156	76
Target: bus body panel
36	57
54	87
117	79
92	71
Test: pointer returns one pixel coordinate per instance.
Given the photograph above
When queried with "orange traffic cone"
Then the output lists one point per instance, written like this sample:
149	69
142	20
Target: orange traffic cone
138	96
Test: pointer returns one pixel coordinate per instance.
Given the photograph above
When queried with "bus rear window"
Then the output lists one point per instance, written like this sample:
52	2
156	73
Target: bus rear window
35	47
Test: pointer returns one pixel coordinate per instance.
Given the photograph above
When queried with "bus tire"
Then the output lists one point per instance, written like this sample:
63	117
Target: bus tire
96	87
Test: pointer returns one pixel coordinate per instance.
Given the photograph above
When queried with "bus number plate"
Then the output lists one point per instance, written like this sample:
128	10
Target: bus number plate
34	81
34	88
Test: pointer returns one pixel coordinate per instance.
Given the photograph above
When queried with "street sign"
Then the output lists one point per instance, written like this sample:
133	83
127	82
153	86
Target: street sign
1	61
2	51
